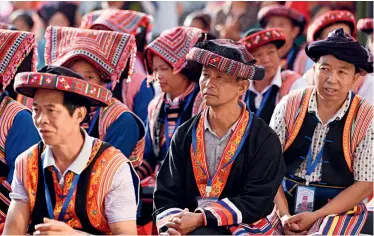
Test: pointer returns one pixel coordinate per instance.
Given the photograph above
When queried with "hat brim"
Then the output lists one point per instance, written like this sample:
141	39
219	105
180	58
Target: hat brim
317	51
29	82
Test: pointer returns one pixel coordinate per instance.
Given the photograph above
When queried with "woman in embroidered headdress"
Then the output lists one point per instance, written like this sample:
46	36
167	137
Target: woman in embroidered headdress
135	93
102	57
17	131
69	182
166	62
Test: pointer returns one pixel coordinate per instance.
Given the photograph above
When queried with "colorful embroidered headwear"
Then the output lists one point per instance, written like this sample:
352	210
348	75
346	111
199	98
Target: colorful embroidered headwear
18	53
227	56
343	47
64	80
107	51
259	37
365	25
330	18
7	26
172	46
125	21
295	16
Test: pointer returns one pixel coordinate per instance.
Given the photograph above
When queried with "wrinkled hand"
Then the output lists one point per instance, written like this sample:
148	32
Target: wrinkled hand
184	222
302	222
50	227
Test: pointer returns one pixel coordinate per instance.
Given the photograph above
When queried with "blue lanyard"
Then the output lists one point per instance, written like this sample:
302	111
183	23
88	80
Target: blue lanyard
92	124
179	120
263	102
312	165
237	151
67	199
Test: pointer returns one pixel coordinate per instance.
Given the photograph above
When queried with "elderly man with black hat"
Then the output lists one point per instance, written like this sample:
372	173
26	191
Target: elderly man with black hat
70	181
326	133
219	177
262	96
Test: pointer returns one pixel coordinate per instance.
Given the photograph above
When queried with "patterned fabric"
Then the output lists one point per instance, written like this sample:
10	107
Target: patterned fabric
8	111
246	68
108	51
173	111
15	46
104	168
172	46
365	25
110	114
330	18
198	156
26	83
288	79
263	37
358	131
7	26
223	212
347	223
125	21
284	11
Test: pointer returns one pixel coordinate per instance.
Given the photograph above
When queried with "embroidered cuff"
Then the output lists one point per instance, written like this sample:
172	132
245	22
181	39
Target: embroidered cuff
221	213
164	217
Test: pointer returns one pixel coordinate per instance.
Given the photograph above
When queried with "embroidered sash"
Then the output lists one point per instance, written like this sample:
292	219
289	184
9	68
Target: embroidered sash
198	156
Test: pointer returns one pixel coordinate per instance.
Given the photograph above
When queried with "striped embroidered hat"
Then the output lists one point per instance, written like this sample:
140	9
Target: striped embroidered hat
172	46
259	37
18	53
109	52
295	16
125	21
220	53
64	80
330	18
365	25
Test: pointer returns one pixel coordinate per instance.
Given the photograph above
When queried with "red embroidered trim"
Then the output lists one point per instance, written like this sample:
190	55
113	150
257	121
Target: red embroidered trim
199	160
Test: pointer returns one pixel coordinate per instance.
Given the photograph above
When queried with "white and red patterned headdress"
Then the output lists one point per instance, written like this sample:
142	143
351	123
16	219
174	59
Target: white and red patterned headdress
108	51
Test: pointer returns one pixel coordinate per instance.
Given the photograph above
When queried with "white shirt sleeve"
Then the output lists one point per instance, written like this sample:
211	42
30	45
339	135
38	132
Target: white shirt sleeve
18	190
363	163
277	122
120	202
366	90
300	83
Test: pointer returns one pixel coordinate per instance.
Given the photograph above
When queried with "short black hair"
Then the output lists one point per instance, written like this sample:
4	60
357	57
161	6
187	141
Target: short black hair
205	18
24	16
71	101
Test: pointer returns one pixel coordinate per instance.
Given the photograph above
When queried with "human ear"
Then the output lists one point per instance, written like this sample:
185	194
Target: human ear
81	113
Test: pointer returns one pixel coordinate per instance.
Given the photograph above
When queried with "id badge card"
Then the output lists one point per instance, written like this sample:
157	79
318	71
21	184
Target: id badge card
205	202
304	199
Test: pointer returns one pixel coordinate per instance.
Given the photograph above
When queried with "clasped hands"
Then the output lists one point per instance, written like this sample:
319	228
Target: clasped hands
298	224
184	222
